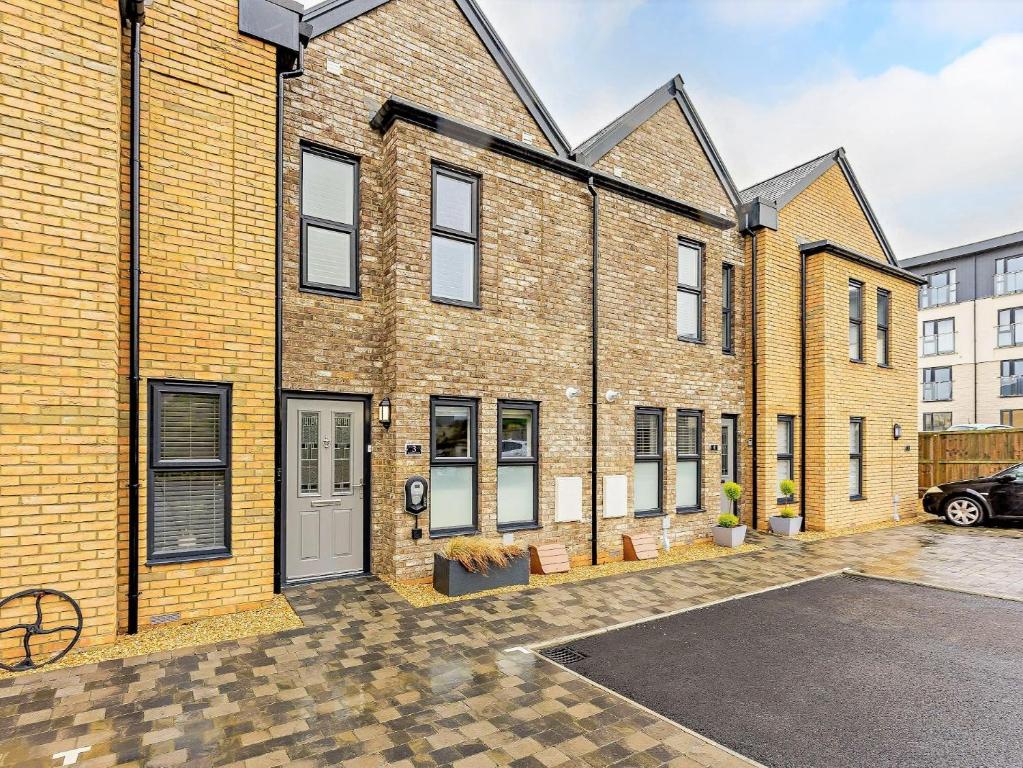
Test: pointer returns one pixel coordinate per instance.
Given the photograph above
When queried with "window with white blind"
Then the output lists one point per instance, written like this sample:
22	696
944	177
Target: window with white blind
688	468
689	297
329	221
649	465
189	471
455	267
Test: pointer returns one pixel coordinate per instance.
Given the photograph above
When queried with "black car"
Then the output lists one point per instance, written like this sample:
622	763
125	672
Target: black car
971	502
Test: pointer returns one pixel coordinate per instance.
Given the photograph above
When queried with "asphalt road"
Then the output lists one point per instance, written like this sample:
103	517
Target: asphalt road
834	673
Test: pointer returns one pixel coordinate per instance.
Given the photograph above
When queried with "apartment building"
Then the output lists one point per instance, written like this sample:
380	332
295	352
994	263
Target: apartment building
971	333
310	255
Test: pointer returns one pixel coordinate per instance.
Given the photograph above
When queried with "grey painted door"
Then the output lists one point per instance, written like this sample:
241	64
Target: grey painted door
727	457
324	515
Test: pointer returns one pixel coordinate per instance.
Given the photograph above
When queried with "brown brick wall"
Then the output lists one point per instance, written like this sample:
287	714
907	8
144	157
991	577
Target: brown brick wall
207	288
59	95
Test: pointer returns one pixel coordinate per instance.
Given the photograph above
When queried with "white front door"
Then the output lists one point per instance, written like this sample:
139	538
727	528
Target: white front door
324	514
727	458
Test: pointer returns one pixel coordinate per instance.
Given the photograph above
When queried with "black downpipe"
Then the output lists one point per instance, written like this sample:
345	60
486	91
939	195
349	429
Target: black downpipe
594	316
802	389
754	368
133	329
282	75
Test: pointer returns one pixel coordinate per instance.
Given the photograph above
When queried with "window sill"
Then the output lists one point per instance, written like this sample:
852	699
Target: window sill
649	513
858	362
355	295
729	352
689	510
455	302
691	340
448	533
513	527
190	557
857	498
885	366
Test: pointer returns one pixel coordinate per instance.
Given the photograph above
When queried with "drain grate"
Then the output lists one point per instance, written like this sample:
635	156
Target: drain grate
563	654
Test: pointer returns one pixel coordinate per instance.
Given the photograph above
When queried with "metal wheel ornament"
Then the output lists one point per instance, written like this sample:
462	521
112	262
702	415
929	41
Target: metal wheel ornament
963	512
36	629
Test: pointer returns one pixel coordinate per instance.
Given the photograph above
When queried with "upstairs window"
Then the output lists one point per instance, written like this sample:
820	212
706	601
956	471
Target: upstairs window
1012	378
1009	275
937	384
455	247
189	471
884	311
939	337
940	289
689	307
330	236
856	321
1010	327
728	308
688	464
649	466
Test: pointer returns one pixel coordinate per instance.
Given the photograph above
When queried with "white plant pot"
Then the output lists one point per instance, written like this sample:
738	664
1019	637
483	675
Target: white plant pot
786	526
729	537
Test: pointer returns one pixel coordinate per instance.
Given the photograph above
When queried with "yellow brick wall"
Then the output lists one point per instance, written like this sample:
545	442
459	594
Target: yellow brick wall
207	288
837	388
59	95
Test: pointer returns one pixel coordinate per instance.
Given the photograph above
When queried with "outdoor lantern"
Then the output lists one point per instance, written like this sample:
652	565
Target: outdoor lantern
611	395
385	412
897	431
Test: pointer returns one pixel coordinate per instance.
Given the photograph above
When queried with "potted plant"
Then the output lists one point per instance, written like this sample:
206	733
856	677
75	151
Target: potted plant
787	522
728	532
471	564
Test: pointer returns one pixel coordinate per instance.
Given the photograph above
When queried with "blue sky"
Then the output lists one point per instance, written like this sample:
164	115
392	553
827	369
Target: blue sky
927	97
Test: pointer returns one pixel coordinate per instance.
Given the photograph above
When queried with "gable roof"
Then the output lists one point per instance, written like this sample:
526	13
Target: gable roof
615	132
779	190
969	249
331	14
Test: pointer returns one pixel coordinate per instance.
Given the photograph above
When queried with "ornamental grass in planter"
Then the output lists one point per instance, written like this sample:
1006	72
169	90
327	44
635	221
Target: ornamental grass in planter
787	522
471	564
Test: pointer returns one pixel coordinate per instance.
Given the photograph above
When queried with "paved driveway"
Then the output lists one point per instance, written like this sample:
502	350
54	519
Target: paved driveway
371	681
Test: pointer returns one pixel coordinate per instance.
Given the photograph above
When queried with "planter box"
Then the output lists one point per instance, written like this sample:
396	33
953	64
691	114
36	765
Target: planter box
729	537
451	579
786	526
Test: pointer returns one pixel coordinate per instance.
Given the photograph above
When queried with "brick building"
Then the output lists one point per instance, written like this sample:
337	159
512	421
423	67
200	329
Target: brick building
561	341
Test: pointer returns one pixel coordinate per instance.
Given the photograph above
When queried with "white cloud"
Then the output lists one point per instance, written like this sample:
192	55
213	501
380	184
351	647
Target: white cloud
939	154
960	18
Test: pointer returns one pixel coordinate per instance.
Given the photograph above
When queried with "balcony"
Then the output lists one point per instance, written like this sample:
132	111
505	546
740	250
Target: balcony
1009	282
936	391
938	344
1011	386
1010	335
937	295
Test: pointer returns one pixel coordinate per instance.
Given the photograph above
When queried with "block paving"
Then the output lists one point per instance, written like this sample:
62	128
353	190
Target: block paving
371	681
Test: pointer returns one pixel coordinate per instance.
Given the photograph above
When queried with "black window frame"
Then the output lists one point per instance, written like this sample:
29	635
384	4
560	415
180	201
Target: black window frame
1001	268
790	422
728	308
1011	366
858	456
522	461
857	322
930	416
927	377
472	461
658	459
1015	317
884	328
936	335
701	254
155	466
951	284
1008	412
304	283
696	458
447	233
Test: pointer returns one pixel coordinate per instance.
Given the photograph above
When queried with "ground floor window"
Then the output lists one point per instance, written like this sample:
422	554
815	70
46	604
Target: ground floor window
518	426
688	466
453	465
648	471
856	458
189	471
1013	417
785	452
935	422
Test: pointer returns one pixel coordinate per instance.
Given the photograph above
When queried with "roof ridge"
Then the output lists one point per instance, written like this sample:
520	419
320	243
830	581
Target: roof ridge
587	143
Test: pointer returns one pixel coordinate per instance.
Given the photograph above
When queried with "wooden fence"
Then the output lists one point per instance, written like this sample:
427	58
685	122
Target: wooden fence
948	456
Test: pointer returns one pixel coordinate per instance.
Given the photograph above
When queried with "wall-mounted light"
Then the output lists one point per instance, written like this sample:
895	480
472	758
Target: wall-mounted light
572	392
385	412
897	431
611	395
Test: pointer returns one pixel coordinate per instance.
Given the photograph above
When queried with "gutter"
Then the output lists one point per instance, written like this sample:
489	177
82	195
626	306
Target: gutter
594	316
279	415
134	257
